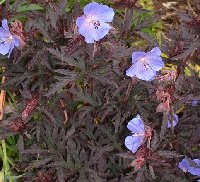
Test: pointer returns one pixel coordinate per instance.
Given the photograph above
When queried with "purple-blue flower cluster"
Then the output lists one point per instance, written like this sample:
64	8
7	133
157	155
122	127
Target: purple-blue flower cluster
145	65
7	40
136	126
93	25
191	166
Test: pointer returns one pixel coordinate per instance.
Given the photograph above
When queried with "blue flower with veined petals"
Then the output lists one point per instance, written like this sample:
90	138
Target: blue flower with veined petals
94	24
7	40
145	65
136	126
184	165
196	169
191	166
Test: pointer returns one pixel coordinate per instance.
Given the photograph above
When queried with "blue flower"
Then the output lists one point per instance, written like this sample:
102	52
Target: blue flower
173	122
194	103
195	170
93	25
191	166
145	65
136	126
184	165
7	40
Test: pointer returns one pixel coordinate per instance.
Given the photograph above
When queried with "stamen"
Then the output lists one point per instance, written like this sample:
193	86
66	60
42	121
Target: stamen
142	60
144	64
96	24
10	37
140	134
90	20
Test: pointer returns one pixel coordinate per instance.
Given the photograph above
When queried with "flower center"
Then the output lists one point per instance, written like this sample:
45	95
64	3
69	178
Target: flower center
96	24
143	60
10	37
90	21
144	63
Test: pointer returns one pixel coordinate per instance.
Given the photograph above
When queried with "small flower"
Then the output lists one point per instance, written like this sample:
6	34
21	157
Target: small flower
94	24
191	166
194	103
136	126
173	121
145	65
7	40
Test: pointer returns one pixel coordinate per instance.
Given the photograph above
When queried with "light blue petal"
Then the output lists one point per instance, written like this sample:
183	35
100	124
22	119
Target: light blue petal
90	9
155	51
174	121
101	32
3	34
99	12
133	143
137	55
84	29
11	48
155	62
197	161
184	165
90	31
153	77
173	124
89	39
5	25
80	21
198	180
136	125
16	41
194	171
145	74
131	71
4	48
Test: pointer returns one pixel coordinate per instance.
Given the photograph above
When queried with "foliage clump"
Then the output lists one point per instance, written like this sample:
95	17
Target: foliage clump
68	102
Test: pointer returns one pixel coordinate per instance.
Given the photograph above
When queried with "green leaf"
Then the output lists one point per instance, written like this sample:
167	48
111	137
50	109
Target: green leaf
2	1
31	7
